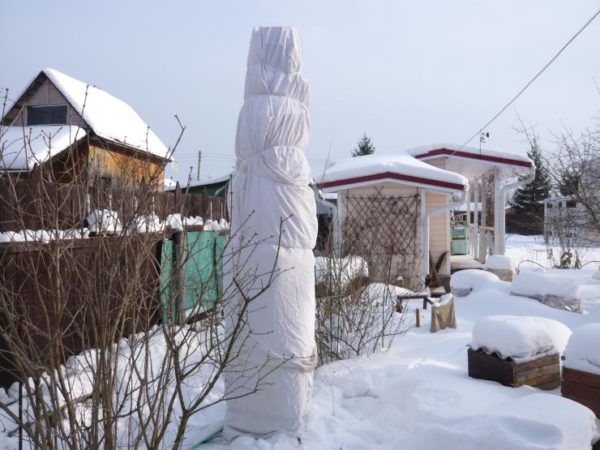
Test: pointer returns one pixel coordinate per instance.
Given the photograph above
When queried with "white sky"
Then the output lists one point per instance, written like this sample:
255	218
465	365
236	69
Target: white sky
406	73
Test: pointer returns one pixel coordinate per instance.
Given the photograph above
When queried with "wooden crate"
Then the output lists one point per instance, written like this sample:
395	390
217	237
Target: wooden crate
543	372
582	387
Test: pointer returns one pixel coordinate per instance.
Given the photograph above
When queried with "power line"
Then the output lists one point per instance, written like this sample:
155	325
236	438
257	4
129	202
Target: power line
537	75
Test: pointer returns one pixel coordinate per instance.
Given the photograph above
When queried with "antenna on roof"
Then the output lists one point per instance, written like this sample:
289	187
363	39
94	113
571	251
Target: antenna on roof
483	135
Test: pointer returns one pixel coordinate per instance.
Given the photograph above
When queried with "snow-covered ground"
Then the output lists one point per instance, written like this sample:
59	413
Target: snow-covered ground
417	394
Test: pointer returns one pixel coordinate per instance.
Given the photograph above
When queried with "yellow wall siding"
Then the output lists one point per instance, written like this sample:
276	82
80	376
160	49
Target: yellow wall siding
439	239
128	166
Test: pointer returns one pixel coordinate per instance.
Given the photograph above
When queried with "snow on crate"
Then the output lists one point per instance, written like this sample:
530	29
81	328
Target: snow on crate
501	262
519	338
583	350
464	282
546	287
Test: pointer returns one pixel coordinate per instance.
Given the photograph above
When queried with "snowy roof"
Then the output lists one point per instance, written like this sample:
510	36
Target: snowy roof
23	147
108	117
472	161
399	167
209	181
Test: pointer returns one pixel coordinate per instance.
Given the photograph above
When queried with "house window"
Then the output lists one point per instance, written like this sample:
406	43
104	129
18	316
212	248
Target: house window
571	204
47	115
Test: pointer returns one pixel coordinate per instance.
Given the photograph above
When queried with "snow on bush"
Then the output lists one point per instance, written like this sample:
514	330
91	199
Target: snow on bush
464	282
519	338
554	291
103	221
498	262
583	350
340	270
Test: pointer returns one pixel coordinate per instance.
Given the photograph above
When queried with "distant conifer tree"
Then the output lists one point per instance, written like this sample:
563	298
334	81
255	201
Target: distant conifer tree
527	201
364	147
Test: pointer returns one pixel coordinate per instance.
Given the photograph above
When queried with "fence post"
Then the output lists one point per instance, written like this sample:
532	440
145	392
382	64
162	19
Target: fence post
180	256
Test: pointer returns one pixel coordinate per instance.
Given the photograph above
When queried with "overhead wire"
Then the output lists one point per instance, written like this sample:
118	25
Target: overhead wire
536	76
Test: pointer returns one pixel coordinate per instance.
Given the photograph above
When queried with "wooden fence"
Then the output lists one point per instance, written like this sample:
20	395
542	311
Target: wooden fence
62	297
33	203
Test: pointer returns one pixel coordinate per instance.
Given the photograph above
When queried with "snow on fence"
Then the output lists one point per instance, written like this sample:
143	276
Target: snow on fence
34	203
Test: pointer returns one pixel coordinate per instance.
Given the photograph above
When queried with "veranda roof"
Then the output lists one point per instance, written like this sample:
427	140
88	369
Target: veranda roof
473	161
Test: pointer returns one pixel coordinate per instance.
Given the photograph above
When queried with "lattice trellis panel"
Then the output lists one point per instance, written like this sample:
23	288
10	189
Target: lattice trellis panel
384	230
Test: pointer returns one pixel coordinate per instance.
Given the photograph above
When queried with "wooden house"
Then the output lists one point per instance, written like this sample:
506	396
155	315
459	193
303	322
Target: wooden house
394	209
78	133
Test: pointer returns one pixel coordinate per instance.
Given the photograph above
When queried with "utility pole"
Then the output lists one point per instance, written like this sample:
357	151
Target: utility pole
199	161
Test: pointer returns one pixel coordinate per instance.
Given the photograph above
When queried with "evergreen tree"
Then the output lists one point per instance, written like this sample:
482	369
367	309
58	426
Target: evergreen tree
364	147
569	182
528	209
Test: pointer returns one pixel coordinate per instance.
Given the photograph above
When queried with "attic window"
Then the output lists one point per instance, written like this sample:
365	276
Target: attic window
47	115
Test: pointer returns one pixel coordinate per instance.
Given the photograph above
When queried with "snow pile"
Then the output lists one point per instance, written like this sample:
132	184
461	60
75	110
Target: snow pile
177	221
583	350
556	292
214	225
499	262
519	338
43	236
148	224
340	271
103	221
463	282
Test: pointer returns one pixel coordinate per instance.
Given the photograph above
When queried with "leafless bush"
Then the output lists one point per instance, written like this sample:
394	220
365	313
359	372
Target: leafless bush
354	316
100	359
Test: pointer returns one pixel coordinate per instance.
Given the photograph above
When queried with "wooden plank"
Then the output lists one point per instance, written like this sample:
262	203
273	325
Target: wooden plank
539	362
489	367
553	378
578	376
524	375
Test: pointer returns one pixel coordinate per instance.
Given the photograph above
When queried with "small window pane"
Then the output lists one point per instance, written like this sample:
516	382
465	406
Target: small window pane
47	115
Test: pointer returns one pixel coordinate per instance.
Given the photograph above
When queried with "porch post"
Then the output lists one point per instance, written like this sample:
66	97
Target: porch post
476	218
483	230
499	219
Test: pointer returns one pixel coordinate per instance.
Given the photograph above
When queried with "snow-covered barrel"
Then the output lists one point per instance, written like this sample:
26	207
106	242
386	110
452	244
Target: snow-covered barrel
269	264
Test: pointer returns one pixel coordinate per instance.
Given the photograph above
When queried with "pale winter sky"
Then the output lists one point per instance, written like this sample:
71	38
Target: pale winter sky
407	73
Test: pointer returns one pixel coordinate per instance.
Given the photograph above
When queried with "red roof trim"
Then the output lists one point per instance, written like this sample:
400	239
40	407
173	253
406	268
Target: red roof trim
496	159
393	176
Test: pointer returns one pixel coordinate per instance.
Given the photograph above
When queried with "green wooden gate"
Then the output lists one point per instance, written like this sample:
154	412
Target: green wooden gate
201	273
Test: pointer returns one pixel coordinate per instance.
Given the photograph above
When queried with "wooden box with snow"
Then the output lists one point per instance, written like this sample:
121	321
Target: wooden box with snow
517	351
581	369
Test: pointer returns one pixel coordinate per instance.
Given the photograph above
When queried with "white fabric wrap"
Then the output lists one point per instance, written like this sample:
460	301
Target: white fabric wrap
273	228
